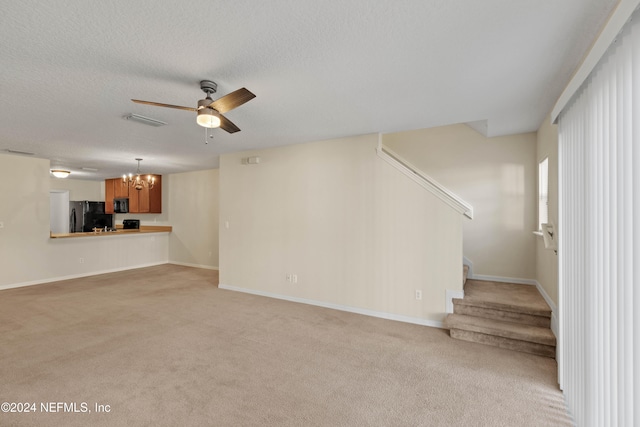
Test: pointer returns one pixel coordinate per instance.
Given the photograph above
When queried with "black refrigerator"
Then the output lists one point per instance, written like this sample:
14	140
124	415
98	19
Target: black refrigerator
85	216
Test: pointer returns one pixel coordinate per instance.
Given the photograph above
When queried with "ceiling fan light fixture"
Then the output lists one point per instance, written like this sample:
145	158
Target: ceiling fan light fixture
208	117
60	173
210	112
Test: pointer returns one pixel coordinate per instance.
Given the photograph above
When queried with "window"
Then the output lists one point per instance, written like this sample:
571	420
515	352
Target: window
543	192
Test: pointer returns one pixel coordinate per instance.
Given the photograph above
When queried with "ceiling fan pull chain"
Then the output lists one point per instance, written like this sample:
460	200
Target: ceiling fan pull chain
207	136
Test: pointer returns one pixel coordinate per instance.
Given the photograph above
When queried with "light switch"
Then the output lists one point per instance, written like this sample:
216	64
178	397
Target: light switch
226	224
1	224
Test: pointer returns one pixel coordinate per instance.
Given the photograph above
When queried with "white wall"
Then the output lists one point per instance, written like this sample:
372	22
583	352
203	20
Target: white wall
355	231
498	177
193	212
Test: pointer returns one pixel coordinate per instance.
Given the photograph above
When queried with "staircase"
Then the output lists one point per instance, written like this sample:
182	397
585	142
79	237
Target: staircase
505	315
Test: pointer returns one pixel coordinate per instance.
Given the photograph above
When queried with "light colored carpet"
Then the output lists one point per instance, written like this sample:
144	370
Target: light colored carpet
164	346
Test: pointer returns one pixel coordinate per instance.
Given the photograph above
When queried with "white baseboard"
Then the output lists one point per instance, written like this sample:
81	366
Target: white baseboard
77	276
450	295
364	311
552	306
466	261
187	264
503	279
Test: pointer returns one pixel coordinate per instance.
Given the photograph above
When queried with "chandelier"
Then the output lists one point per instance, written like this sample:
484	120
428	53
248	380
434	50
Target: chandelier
138	182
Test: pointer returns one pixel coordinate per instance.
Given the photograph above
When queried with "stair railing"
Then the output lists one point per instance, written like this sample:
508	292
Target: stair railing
424	180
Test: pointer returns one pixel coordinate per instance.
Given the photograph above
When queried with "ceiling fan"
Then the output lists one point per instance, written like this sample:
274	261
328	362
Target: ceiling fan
210	111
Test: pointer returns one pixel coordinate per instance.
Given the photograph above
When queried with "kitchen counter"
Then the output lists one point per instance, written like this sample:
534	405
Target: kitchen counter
144	229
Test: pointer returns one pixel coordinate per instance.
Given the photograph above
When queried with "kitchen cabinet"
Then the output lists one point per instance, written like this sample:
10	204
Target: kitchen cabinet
121	189
109	195
114	188
140	201
147	200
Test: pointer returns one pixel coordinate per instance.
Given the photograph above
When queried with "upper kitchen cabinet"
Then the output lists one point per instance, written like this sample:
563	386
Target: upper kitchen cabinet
121	189
144	200
109	195
114	188
147	200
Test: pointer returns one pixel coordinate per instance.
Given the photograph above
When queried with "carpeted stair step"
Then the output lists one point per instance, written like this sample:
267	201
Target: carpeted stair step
504	301
501	312
509	335
513	306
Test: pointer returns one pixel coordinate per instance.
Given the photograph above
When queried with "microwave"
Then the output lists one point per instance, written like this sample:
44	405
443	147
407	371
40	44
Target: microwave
121	205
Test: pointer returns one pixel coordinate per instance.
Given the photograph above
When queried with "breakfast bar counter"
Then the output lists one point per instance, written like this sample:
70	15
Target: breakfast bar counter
119	231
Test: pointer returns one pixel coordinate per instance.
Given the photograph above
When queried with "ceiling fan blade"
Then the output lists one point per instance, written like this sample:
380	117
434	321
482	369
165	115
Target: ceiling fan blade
232	100
228	125
157	104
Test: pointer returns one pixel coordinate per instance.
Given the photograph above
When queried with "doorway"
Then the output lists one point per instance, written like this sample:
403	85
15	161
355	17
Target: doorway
59	211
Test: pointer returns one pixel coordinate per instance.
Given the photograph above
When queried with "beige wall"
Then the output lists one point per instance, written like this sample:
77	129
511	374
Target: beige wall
24	212
193	213
547	260
498	176
79	189
355	231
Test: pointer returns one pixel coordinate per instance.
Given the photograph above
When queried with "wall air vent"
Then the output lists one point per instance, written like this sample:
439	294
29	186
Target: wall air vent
145	120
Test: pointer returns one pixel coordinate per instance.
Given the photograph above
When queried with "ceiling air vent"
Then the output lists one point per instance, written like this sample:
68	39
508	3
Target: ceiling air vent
146	120
26	153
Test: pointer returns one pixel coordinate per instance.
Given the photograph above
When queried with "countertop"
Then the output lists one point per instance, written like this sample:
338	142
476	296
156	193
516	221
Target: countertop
144	229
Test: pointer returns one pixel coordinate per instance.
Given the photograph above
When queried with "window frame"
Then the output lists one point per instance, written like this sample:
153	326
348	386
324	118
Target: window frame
543	192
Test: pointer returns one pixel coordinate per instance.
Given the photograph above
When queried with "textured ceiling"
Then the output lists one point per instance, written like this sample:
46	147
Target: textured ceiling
320	70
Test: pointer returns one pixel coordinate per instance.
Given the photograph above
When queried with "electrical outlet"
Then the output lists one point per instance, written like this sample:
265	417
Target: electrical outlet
418	294
81	260
291	278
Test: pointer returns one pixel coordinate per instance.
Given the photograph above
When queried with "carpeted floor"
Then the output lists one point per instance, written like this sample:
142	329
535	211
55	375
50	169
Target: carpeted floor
164	346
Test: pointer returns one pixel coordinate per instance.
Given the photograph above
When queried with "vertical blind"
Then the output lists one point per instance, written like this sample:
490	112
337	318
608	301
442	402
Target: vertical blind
599	240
